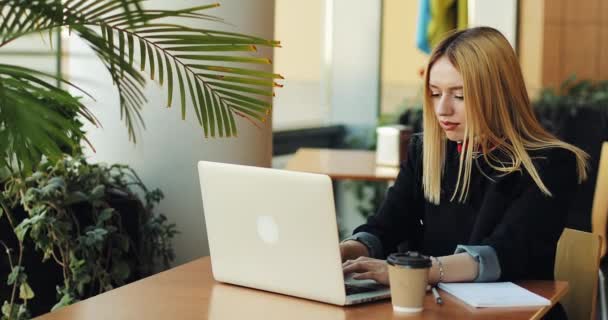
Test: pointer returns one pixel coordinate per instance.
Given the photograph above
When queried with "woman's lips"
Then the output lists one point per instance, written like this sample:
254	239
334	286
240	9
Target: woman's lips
448	126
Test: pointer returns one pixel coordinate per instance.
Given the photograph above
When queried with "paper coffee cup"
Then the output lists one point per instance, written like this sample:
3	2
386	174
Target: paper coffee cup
408	276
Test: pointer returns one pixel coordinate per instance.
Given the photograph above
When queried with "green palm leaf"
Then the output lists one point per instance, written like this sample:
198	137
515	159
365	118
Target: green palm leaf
182	92
170	85
151	57
160	67
209	106
41	118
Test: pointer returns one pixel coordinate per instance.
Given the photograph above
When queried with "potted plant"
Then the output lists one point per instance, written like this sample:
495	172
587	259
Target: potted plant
77	229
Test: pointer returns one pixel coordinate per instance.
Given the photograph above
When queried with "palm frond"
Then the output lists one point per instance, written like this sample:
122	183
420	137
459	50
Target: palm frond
221	91
128	80
36	118
117	29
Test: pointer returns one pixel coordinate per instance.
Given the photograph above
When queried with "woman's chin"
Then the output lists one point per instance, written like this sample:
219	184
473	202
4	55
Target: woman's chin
454	136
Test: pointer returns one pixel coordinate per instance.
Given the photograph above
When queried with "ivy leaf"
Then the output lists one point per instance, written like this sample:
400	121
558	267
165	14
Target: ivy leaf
75	197
120	271
54	187
5	309
82	282
95	237
25	291
25	225
34	177
122	242
76	265
22	312
66	300
22	229
16	276
98	192
31	196
104	215
19	311
47	254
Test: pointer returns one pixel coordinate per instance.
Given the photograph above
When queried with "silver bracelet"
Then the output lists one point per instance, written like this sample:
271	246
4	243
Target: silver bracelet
441	273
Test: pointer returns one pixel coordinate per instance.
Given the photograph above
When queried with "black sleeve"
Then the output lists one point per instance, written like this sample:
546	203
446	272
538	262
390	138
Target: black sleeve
526	238
398	218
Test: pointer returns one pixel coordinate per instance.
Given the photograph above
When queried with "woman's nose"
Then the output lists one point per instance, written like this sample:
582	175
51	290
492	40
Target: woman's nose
444	107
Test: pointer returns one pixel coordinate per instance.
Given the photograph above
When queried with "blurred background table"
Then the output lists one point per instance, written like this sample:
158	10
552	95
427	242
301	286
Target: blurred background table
342	164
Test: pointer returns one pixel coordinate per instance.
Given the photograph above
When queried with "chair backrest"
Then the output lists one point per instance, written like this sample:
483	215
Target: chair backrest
599	213
577	261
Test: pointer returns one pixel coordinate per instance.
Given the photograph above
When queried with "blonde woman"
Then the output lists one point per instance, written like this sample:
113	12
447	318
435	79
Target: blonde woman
485	189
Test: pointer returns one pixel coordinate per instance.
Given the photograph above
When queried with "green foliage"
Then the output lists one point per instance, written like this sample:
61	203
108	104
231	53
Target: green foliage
70	219
17	279
14	312
35	118
556	109
574	93
116	30
369	194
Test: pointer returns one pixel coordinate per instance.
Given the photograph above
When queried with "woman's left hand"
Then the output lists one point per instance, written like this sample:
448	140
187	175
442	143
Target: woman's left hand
367	268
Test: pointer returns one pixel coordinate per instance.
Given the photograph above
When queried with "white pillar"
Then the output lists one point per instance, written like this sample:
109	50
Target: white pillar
168	150
498	14
354	77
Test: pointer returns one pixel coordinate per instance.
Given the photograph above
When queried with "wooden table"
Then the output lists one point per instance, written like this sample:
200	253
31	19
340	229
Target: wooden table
189	292
342	164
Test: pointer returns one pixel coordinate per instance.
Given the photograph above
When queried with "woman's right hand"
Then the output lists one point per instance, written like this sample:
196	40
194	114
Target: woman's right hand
367	268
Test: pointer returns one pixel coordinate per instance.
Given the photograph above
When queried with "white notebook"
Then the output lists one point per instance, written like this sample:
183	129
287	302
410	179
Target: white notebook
494	294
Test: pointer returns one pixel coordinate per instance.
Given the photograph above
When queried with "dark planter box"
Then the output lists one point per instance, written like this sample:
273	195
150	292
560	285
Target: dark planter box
42	277
45	277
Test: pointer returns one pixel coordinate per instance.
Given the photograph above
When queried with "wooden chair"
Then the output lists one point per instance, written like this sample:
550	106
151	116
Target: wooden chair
577	261
599	218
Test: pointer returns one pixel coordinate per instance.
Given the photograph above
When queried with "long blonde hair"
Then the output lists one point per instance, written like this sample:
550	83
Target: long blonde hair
499	115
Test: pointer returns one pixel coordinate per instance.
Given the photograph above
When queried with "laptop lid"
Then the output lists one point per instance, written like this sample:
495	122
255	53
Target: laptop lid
273	230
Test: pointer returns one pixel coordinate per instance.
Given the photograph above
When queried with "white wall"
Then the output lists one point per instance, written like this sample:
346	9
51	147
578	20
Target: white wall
298	24
353	79
402	61
498	14
355	66
166	153
34	51
330	59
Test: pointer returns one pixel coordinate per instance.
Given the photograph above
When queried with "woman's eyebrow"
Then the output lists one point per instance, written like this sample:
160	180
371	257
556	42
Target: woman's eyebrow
449	88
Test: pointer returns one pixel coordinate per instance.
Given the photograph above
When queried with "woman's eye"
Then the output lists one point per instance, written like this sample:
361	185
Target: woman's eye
459	97
434	94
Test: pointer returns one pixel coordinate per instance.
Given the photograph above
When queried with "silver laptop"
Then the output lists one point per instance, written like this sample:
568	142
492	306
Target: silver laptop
276	230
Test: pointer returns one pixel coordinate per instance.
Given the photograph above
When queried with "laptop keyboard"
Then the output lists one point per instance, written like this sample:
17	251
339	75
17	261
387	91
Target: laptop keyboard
354	289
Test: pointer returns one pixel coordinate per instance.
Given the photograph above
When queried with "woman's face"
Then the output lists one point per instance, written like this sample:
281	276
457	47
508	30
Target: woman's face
447	94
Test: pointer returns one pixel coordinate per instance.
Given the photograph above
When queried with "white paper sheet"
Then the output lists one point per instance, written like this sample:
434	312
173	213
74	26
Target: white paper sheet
494	294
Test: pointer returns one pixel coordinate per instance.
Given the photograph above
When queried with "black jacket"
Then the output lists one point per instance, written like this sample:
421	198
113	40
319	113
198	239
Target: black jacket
509	213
